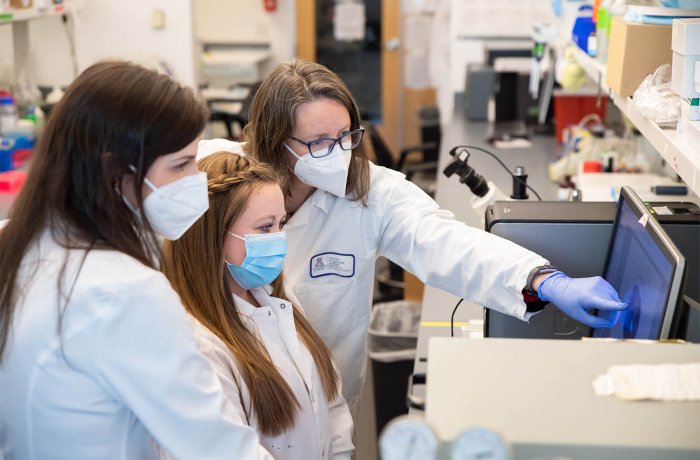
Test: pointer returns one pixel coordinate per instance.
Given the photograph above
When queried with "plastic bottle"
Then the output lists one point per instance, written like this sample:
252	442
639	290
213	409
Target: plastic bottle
8	114
7	147
603	34
36	116
592	49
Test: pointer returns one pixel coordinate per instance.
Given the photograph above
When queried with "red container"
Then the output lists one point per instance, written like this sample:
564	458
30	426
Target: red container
12	181
569	109
19	156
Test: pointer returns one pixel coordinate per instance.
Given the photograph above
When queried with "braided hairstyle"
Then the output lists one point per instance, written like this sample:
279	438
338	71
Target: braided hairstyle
234	170
195	266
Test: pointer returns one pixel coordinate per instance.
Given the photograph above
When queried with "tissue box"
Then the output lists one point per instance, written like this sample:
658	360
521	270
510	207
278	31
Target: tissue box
635	50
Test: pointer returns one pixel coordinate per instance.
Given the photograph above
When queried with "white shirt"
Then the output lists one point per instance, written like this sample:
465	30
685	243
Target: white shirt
322	430
333	243
122	378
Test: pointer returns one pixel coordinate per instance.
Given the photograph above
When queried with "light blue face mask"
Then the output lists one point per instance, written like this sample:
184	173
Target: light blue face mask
263	261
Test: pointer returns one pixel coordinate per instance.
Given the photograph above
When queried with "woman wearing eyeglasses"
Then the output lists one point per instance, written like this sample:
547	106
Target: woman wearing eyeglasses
345	212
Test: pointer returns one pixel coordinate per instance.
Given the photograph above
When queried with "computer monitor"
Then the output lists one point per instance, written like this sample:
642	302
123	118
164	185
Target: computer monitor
646	269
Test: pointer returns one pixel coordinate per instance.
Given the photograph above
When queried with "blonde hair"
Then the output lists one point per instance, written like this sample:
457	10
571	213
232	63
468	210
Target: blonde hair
195	266
272	117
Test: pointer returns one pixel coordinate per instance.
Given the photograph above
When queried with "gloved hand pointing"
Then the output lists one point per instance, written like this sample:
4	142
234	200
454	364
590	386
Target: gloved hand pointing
575	296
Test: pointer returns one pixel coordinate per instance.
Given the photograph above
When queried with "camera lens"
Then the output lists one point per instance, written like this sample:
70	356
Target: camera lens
476	183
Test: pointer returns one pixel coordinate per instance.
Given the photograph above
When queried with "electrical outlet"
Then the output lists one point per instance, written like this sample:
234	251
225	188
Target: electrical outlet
158	19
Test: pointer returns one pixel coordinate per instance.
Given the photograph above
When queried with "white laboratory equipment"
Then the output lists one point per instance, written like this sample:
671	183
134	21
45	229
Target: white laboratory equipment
408	437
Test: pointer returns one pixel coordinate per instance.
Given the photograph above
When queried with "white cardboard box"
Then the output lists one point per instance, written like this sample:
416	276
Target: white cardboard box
685	38
689	131
690	109
682	74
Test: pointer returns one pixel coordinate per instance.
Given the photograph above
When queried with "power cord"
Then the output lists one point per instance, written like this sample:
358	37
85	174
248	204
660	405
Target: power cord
452	319
454	152
71	43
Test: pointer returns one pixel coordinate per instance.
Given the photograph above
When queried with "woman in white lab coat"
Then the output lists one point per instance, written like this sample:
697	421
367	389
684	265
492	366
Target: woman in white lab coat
345	211
273	365
98	356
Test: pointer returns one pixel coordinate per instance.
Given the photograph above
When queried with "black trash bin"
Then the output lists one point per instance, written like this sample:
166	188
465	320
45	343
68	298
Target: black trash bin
393	335
429	119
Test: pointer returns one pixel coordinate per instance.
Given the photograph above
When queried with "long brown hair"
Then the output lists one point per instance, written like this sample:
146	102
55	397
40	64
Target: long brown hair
272	117
115	114
195	266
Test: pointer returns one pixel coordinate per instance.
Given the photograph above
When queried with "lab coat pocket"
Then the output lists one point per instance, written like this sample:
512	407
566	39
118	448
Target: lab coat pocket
330	303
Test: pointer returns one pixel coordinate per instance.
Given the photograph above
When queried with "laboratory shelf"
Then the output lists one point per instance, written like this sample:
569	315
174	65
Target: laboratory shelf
681	156
16	15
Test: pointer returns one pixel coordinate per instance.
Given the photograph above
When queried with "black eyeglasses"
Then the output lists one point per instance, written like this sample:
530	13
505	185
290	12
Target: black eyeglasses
323	147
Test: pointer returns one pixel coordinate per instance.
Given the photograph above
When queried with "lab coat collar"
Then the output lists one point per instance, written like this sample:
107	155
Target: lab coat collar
319	199
263	295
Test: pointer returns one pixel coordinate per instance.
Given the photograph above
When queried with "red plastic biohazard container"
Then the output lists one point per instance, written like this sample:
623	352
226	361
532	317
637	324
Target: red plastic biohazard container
570	108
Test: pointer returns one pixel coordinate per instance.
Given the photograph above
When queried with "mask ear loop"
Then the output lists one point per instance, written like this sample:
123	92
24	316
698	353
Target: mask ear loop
233	234
128	204
291	151
240	238
150	184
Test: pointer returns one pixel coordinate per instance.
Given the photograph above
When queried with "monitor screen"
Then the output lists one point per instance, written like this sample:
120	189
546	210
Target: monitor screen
646	269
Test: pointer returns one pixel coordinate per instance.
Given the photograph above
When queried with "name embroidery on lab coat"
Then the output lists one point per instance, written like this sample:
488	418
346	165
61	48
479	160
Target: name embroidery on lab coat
332	263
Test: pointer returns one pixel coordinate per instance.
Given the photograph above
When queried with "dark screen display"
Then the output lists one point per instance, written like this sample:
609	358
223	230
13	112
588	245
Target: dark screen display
642	275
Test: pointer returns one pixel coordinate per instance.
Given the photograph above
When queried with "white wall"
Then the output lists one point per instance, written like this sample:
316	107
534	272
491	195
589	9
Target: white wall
488	18
109	29
246	22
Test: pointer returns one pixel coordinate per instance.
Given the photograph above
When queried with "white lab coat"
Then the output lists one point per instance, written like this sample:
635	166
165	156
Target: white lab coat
121	380
322	430
333	243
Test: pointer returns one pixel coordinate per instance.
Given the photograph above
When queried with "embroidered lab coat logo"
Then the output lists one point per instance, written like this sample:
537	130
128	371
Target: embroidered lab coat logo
332	263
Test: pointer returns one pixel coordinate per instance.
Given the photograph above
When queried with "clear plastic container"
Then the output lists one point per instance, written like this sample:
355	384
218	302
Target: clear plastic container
8	114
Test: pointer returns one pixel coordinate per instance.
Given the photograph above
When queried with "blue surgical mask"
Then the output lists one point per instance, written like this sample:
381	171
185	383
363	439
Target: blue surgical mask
263	261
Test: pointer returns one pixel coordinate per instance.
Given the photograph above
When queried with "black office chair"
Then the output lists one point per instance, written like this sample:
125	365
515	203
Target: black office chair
423	173
220	111
389	278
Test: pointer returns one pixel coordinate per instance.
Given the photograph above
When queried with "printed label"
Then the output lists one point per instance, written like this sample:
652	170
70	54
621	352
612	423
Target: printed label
332	263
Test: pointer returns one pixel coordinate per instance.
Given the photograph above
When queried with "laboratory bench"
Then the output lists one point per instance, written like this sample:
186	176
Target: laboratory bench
517	387
454	196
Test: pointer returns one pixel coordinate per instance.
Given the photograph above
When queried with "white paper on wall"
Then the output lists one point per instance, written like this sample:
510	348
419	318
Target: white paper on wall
419	6
349	21
416	73
493	18
417	29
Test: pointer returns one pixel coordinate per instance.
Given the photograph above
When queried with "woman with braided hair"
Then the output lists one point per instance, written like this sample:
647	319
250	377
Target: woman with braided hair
346	211
227	269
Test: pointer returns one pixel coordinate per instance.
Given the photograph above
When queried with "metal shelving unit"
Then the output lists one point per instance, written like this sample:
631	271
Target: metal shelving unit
19	19
17	15
681	156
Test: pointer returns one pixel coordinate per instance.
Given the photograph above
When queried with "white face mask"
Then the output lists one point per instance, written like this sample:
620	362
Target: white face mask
329	173
174	207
